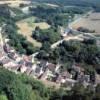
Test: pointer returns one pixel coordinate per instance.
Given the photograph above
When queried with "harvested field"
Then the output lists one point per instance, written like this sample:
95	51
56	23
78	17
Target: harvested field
26	31
26	27
91	22
14	3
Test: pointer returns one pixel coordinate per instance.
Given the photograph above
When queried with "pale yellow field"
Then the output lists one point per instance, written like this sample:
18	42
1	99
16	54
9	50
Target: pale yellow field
26	31
91	22
14	3
27	26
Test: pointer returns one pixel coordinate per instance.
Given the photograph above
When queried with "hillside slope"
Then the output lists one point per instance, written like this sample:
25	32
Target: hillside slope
93	3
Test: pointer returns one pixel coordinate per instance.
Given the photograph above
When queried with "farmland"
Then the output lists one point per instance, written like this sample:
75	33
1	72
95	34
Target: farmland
91	21
14	3
26	26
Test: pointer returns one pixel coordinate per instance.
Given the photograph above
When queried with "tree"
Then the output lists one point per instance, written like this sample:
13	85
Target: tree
97	94
3	97
49	35
18	91
12	86
7	78
46	46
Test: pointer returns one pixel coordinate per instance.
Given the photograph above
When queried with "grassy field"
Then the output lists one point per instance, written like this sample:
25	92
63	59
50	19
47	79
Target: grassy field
91	22
26	27
31	23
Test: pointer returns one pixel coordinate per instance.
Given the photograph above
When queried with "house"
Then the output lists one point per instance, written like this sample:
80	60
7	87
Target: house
57	69
14	56
23	69
1	48
77	68
61	77
84	79
27	58
18	59
14	68
1	56
97	79
28	64
45	70
27	61
51	67
70	82
5	60
38	71
40	68
32	74
8	49
28	71
66	74
10	63
44	76
87	78
34	66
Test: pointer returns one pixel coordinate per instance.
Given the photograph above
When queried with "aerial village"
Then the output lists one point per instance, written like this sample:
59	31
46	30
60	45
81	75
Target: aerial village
42	70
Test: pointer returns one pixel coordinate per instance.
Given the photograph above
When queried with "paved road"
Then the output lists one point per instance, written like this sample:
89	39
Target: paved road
1	39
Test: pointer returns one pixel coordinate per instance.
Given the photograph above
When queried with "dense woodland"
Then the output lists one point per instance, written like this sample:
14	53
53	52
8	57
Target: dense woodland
58	16
50	35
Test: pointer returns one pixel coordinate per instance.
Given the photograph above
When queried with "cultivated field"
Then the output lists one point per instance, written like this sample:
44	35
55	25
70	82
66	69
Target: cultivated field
91	22
14	3
26	27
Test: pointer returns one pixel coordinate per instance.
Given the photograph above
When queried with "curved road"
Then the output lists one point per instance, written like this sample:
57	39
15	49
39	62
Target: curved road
79	37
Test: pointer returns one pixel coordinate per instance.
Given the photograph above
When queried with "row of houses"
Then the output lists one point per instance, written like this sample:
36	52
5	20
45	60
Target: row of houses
42	70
